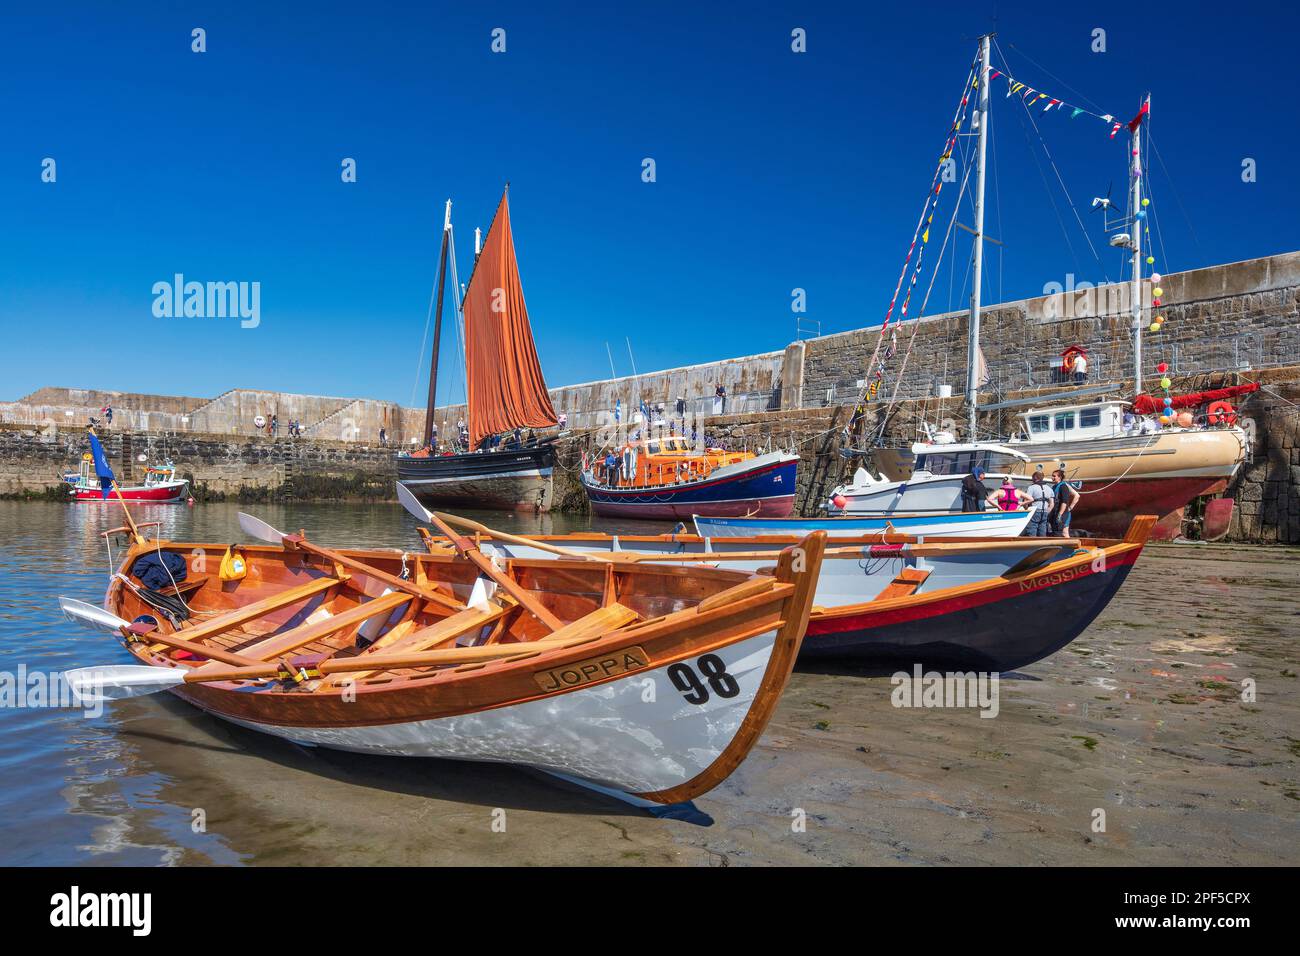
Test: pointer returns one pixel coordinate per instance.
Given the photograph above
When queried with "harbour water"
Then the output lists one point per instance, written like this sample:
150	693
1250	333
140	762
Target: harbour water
1142	718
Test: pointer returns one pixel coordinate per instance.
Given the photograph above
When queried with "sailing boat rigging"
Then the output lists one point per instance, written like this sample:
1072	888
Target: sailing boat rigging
499	468
1121	457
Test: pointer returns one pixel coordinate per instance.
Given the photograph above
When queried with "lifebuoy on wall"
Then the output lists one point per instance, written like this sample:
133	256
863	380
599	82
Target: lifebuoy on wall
1067	358
1221	413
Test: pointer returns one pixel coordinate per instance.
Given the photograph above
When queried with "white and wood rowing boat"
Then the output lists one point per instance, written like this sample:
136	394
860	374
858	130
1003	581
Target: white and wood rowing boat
649	680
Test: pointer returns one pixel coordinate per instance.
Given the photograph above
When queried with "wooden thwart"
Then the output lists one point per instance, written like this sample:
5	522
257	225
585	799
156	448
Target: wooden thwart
305	634
905	585
745	589
445	631
598	623
361	567
251	612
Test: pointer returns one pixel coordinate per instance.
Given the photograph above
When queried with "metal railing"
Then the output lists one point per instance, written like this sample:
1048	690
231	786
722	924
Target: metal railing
1107	361
740	403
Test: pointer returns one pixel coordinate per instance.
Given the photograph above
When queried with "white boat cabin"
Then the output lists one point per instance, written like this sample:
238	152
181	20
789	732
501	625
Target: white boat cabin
1076	422
955	458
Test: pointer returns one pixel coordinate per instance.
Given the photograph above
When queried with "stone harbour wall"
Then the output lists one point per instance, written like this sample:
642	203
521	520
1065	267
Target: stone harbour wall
1223	325
219	468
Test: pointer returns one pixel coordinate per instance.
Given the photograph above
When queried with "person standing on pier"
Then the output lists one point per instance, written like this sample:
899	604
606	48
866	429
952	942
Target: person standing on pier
1009	497
974	495
1041	502
1066	500
1080	368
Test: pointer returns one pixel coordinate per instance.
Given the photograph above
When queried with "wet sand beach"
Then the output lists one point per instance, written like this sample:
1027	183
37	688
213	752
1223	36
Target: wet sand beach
1141	718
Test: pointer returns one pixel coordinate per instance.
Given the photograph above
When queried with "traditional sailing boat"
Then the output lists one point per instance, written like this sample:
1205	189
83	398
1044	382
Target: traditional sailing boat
1122	462
505	391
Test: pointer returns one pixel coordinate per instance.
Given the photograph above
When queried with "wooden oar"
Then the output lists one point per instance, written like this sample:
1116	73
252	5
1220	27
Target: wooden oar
117	682
520	540
421	513
469	550
257	528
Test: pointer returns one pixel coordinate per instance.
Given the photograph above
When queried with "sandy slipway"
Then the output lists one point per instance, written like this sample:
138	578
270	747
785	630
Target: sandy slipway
1140	717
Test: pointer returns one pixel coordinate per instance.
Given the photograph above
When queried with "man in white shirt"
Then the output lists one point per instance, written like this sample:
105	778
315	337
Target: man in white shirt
1080	368
1041	500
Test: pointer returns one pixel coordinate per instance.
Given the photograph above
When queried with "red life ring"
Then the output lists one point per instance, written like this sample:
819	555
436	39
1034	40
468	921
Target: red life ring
1221	413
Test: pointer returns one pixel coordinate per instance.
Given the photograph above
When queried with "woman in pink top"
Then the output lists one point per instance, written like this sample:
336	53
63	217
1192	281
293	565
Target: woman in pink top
1010	497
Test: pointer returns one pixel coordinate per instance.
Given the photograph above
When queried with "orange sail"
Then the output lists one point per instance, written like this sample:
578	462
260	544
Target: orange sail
504	378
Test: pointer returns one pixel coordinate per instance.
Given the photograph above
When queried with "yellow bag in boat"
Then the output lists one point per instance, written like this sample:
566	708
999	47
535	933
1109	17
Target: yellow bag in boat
233	565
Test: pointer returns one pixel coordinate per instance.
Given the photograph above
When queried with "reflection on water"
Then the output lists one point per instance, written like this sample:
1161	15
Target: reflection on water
124	788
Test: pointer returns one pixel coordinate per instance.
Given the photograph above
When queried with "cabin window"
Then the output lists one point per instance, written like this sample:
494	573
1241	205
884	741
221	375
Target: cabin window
1064	421
652	448
958	463
997	463
1039	423
1090	417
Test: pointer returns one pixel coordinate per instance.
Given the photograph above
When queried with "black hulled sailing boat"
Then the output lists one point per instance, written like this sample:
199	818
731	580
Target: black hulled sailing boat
506	393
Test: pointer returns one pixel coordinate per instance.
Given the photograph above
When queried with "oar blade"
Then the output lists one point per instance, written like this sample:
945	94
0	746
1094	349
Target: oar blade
87	615
257	528
105	682
412	504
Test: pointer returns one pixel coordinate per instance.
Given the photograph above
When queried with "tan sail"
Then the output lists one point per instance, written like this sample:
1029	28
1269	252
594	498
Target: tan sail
505	386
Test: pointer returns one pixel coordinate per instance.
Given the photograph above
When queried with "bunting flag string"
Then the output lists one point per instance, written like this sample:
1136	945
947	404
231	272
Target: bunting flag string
1033	97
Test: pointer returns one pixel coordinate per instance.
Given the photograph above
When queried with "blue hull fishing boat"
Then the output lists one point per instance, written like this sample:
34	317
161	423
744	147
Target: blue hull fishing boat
762	485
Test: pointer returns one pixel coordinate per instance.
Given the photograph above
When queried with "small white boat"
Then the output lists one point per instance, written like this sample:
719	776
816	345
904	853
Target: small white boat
935	482
955	524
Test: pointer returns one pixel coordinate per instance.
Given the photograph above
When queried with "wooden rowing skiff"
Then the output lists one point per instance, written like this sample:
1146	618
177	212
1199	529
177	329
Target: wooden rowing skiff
651	681
886	602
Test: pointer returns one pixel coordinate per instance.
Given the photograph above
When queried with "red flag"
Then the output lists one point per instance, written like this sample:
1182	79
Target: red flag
1137	120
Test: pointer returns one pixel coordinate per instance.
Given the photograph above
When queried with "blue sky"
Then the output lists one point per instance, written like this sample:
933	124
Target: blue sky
775	170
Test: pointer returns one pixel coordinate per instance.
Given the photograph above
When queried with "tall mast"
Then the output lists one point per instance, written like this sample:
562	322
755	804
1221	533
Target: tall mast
1135	280
437	326
977	254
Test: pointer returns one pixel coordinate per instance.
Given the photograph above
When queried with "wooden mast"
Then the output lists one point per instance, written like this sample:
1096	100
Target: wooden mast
437	327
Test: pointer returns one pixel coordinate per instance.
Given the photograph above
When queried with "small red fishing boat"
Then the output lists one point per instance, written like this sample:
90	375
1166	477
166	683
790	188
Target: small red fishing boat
94	481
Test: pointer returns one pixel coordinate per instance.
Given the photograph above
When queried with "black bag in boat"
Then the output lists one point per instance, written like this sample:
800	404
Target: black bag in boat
159	570
175	608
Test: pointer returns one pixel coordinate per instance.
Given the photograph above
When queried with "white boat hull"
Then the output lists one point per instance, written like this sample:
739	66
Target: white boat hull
920	493
639	734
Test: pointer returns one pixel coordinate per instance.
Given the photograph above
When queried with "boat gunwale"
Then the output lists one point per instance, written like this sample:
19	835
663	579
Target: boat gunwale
653	629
